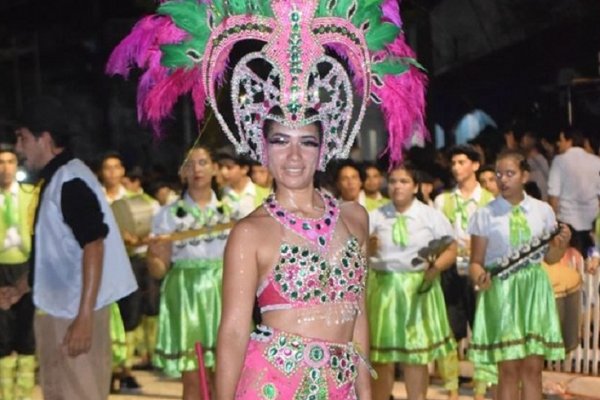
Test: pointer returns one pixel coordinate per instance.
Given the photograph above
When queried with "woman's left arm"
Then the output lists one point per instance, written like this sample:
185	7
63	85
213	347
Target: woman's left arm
443	262
558	245
361	341
358	222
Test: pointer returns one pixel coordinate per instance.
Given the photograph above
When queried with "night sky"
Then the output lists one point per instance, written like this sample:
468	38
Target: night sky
518	80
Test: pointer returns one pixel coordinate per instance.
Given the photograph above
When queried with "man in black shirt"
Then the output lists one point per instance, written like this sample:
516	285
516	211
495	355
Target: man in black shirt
80	266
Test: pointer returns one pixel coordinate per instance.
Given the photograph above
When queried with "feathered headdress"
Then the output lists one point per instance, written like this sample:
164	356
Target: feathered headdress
293	79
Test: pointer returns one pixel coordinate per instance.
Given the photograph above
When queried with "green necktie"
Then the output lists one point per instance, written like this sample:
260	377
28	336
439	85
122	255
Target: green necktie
461	207
10	215
234	196
519	228
400	232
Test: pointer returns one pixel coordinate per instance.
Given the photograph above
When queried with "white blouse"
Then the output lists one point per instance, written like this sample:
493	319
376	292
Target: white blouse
424	223
209	246
492	222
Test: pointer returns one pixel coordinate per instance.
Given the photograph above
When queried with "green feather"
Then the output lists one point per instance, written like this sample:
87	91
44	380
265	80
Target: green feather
175	56
237	7
218	11
377	37
260	7
368	10
415	63
390	66
342	7
323	9
188	15
184	54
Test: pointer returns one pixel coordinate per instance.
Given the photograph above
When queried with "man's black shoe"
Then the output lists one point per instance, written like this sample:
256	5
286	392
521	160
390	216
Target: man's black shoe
129	384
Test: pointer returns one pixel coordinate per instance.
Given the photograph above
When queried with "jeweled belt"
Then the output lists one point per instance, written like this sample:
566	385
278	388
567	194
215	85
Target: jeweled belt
290	352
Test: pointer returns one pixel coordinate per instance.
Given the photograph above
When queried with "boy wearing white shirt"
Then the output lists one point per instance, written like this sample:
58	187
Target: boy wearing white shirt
458	205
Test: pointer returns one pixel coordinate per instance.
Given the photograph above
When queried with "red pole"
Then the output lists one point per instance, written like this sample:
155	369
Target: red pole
202	372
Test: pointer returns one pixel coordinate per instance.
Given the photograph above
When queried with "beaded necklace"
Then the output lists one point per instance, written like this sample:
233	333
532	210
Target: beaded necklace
318	231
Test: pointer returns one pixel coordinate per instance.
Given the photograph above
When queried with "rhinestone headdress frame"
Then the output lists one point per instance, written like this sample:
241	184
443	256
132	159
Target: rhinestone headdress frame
296	82
185	48
329	94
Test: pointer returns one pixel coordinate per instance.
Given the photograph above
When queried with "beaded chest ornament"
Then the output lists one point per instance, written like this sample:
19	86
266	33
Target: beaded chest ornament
318	231
315	53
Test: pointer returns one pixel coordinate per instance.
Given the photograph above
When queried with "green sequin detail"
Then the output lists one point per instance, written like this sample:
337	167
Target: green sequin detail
269	391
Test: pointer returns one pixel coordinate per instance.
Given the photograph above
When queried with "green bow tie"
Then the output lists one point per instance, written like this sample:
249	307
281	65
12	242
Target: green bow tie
400	232
10	214
461	208
519	231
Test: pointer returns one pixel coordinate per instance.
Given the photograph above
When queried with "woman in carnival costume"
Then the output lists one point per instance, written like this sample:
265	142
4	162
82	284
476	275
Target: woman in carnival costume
190	303
300	253
407	313
516	322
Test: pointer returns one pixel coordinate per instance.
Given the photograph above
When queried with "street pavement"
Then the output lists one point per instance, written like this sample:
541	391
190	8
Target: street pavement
155	386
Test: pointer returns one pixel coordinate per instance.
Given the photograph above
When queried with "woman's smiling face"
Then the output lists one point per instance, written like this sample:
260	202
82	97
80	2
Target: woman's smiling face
292	154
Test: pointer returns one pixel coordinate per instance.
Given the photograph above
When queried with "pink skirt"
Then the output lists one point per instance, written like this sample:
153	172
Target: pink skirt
281	365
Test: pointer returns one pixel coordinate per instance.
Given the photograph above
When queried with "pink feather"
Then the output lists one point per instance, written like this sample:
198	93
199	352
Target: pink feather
158	90
221	65
160	100
141	48
342	52
403	103
391	12
127	53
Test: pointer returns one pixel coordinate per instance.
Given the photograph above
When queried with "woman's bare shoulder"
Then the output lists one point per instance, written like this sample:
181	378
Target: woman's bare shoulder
253	228
356	218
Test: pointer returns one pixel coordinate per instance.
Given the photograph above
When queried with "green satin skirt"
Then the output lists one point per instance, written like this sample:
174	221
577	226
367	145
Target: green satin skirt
117	335
406	326
516	318
190	311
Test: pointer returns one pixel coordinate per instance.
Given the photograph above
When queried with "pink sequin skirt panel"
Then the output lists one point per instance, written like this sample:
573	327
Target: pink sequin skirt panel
284	366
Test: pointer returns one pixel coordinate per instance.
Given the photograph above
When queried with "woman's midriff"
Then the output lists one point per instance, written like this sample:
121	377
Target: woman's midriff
288	320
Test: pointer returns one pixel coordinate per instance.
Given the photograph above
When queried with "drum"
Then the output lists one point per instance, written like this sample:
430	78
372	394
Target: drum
134	215
566	283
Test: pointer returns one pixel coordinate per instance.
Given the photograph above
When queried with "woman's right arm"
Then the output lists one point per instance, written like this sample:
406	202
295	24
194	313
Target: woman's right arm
240	274
158	259
476	270
160	252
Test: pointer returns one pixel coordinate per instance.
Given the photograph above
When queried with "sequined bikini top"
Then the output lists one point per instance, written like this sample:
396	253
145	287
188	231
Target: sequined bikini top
304	277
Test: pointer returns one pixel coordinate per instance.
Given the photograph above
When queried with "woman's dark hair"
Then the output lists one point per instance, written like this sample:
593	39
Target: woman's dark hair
516	155
410	170
425	177
533	190
414	174
350	164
